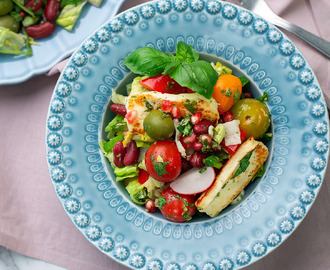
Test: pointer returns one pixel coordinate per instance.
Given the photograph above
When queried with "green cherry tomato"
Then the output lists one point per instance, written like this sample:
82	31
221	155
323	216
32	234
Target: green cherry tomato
9	22
158	125
253	116
6	6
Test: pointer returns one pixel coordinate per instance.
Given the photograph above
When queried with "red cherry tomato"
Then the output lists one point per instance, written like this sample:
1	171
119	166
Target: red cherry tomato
163	161
163	84
143	176
176	207
231	149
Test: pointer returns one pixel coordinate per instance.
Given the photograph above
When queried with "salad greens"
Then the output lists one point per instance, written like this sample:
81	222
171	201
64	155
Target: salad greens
70	14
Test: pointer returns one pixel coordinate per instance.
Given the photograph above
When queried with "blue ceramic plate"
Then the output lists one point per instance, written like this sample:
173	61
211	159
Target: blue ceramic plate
51	50
274	205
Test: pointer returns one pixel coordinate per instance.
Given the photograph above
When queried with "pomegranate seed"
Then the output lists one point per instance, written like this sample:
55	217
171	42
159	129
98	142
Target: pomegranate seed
196	118
198	146
150	206
202	126
167	106
228	116
247	95
206	137
220	110
187	142
221	120
175	112
22	14
131	116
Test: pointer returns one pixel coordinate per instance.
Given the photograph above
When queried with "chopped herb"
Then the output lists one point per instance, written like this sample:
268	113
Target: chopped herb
224	186
159	167
161	202
244	163
69	2
202	169
190	105
223	91
148	105
236	97
244	80
213	161
165	115
228	93
169	86
186	215
260	173
178	196
170	216
263	98
267	136
185	126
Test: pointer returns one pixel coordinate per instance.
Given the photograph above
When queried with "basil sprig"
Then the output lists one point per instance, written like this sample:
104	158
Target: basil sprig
185	67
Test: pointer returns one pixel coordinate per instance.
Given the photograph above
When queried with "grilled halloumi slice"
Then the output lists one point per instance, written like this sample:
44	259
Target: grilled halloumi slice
145	101
226	187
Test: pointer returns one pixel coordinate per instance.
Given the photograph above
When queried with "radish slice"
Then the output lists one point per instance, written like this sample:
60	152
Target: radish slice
193	182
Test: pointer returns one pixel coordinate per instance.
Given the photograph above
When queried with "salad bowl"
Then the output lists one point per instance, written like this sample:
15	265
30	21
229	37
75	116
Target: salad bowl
273	206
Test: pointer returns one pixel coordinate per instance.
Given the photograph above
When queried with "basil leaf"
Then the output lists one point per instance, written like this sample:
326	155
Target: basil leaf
148	61
199	76
185	52
169	68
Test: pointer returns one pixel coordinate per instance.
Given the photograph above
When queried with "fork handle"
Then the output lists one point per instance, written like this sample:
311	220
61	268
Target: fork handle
318	43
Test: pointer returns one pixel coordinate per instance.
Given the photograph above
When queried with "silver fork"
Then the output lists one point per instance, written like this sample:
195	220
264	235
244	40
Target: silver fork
261	8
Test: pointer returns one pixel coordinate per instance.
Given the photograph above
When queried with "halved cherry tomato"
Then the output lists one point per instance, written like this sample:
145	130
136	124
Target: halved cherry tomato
176	207
164	84
231	149
143	176
163	161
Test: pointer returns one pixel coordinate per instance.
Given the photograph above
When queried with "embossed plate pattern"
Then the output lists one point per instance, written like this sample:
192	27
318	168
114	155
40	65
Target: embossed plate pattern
51	50
274	206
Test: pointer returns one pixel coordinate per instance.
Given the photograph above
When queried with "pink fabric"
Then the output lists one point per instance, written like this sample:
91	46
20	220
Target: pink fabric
33	222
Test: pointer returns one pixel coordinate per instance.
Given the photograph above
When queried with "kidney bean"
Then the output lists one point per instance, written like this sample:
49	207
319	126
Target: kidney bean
40	31
35	5
132	153
202	126
119	154
51	9
196	159
118	109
